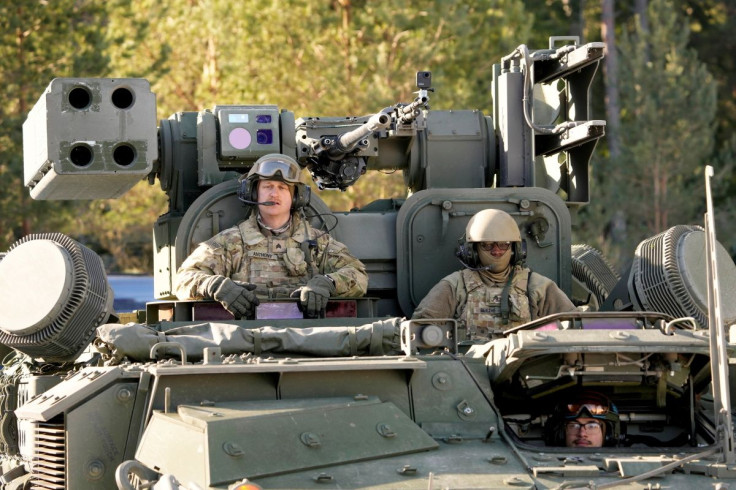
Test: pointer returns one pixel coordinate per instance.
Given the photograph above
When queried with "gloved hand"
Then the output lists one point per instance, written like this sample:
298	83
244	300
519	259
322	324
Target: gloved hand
237	297
314	295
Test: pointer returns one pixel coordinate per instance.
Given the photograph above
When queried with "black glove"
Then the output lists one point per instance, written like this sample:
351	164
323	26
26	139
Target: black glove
237	297
314	295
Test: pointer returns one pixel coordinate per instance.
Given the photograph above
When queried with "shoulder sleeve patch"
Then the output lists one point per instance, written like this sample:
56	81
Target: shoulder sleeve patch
212	244
223	240
335	247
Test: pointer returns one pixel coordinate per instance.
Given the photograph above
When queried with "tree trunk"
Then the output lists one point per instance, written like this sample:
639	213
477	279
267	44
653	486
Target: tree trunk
345	6
577	18
640	9
22	194
610	71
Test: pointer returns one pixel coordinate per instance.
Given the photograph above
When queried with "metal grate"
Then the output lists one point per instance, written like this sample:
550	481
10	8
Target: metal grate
48	465
592	269
656	280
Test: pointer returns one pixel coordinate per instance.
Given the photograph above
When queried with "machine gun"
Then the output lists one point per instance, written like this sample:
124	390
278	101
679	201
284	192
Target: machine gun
336	161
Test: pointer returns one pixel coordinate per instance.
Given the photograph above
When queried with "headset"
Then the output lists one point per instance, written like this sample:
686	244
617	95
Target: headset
248	193
468	253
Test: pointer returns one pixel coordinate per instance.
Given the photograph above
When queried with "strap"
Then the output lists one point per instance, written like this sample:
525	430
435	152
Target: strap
376	348
505	298
308	258
256	341
306	245
353	339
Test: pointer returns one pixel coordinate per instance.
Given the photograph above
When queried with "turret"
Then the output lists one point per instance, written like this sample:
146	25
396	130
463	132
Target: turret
95	138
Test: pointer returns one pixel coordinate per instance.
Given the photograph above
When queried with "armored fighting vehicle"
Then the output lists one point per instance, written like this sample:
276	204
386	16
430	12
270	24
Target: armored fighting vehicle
182	396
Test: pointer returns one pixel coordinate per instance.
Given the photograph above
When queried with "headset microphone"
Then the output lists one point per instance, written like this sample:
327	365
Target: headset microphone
263	203
468	266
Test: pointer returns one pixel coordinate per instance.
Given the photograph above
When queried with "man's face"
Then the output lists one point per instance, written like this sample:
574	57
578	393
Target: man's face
495	255
584	432
278	192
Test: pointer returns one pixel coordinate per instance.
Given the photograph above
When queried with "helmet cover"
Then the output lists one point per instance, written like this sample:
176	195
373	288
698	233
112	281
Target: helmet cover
492	225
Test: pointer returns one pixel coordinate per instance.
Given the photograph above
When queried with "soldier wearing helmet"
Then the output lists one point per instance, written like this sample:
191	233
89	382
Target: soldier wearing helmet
585	419
494	292
274	253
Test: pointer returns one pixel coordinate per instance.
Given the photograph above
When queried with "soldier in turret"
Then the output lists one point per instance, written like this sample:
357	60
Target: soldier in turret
274	253
495	291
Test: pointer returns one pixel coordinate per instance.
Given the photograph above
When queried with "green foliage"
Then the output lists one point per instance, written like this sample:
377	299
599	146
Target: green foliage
39	40
312	57
668	101
724	194
712	25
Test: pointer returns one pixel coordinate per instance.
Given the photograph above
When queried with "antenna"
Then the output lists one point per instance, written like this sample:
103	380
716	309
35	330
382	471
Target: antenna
718	355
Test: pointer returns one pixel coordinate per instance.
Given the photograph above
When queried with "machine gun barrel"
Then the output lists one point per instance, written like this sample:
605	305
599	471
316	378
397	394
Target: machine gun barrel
411	111
346	142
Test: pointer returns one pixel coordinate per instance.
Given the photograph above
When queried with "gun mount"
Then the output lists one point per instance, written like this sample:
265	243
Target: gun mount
184	397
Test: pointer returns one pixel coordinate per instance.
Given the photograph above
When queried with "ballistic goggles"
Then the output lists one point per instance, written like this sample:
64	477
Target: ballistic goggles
269	168
596	406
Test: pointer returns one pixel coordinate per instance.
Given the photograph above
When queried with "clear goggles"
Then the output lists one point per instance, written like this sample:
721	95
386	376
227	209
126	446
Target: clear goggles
269	168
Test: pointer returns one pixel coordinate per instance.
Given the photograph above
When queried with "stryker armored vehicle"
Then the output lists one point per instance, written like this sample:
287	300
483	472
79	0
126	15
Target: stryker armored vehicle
181	396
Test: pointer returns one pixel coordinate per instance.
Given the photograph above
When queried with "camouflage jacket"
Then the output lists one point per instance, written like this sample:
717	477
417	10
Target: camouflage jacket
531	296
276	264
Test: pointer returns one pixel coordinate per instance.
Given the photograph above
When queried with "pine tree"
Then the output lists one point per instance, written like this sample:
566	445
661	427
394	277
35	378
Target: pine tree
668	101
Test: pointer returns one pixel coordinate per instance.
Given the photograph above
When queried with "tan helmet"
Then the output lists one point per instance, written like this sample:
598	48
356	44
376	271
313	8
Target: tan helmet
492	225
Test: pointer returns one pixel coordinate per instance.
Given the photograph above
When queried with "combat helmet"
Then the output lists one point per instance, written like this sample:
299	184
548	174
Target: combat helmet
492	225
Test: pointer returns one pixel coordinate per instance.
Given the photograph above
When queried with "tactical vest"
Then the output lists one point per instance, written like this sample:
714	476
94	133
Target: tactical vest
482	310
277	264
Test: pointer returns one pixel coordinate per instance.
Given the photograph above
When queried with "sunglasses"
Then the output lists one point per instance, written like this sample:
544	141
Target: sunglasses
489	246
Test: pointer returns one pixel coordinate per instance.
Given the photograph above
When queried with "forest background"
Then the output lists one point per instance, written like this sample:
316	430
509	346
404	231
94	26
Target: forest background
667	91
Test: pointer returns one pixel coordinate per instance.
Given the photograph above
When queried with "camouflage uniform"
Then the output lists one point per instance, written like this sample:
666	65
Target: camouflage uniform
276	264
465	296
